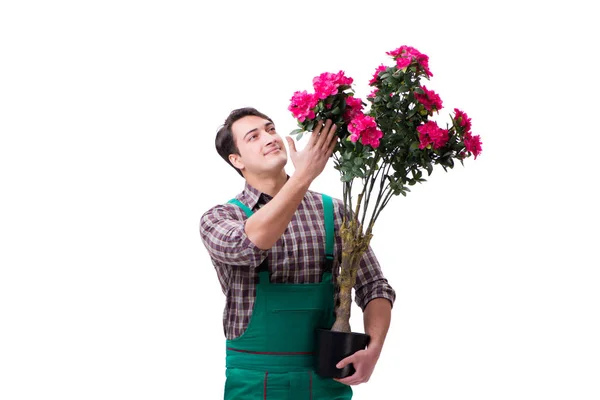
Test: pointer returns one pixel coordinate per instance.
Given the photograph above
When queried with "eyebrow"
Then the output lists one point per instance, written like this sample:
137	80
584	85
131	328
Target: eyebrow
255	129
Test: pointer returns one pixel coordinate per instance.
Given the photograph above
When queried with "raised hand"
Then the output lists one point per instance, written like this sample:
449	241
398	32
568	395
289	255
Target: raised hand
310	161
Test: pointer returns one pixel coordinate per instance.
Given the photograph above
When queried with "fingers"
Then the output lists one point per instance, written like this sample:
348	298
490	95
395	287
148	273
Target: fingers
323	134
291	144
316	133
332	140
344	362
353	379
347	380
362	366
331	147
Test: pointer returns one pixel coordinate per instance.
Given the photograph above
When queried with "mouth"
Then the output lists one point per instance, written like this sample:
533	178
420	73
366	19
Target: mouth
273	150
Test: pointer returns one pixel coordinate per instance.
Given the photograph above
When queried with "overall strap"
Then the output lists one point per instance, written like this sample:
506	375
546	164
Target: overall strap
244	207
329	231
329	234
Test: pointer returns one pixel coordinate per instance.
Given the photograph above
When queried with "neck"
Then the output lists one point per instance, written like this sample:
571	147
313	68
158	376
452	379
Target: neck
270	185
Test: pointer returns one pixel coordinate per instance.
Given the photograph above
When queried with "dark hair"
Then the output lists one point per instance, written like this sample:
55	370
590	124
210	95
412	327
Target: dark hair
225	142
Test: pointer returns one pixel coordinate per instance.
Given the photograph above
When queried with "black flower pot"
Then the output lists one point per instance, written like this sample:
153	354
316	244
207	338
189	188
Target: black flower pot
332	347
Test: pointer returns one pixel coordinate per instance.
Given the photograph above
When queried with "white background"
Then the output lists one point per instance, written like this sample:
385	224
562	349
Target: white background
108	112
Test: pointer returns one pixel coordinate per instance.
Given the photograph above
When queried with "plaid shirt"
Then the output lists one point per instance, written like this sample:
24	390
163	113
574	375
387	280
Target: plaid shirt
297	257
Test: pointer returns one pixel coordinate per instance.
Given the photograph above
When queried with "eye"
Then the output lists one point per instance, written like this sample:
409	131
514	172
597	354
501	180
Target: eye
252	137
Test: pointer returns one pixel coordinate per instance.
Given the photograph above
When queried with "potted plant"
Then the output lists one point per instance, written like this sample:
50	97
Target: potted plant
385	146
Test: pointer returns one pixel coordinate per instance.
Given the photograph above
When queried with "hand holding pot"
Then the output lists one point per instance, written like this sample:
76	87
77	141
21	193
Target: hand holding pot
364	363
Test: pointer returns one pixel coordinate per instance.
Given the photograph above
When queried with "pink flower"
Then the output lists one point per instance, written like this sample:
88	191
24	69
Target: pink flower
404	56
473	144
364	127
402	62
361	122
431	133
463	120
373	93
354	107
327	83
430	99
302	105
371	136
324	88
379	69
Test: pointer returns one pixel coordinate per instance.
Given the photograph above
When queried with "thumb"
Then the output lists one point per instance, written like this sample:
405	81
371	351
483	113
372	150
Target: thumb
291	144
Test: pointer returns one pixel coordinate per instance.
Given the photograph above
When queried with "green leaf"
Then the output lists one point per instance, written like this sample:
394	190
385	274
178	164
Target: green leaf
295	132
347	177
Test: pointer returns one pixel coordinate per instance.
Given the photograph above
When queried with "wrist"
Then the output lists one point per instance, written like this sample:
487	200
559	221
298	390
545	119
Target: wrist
300	179
375	348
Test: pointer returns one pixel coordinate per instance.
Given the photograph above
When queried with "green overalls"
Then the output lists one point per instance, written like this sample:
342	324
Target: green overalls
273	358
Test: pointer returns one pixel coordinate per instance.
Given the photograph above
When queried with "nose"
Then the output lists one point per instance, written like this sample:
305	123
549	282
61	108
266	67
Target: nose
270	140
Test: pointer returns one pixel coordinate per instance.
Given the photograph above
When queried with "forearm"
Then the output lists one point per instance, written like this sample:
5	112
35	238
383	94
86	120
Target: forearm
267	224
377	317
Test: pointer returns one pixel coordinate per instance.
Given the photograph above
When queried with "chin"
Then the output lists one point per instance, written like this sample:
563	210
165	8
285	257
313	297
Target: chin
279	163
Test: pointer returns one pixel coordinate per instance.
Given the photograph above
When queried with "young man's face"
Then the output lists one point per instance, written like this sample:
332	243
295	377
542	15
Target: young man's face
261	148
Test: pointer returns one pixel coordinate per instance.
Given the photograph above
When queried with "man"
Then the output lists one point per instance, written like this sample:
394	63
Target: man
268	246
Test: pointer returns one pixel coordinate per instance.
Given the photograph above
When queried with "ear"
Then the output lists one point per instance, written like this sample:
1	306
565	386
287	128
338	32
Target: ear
235	159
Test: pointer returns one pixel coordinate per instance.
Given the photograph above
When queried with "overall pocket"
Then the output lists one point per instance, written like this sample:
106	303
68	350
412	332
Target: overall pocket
294	328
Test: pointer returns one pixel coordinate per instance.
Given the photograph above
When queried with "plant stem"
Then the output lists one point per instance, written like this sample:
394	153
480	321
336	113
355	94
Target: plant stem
354	244
387	198
371	184
347	200
382	187
356	228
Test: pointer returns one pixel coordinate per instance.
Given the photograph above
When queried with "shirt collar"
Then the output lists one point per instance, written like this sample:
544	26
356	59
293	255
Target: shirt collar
252	195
